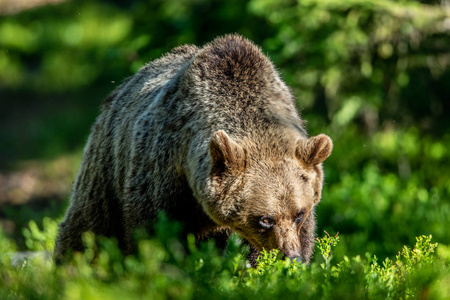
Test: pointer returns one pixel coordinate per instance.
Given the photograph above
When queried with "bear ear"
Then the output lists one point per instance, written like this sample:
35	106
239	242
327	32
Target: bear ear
314	150
225	153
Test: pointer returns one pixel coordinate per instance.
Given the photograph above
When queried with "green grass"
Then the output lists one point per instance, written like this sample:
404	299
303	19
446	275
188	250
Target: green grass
166	267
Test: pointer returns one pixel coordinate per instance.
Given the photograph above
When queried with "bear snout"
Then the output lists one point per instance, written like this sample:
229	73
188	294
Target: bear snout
293	255
288	241
298	259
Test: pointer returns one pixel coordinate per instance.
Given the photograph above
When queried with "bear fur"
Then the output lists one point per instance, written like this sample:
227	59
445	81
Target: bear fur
212	137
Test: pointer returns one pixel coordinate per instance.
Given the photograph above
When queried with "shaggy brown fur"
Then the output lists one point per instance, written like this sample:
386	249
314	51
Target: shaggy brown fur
212	137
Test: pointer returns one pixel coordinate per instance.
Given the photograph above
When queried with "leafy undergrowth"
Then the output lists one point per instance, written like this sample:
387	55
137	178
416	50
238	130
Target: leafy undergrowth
166	268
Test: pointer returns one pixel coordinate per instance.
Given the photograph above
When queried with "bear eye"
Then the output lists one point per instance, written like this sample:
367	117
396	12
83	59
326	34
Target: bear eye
266	222
299	217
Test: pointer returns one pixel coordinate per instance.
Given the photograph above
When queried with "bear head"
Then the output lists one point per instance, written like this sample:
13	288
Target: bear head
265	194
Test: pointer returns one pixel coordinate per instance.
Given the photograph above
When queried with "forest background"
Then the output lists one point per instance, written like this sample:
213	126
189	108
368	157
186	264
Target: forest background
372	74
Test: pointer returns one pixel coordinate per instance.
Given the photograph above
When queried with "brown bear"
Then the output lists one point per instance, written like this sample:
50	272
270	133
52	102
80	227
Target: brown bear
212	137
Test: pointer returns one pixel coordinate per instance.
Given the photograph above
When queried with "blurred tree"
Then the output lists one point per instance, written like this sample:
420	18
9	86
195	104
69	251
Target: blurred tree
375	61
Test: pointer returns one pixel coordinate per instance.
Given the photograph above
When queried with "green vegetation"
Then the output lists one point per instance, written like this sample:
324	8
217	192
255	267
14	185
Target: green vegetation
373	75
163	269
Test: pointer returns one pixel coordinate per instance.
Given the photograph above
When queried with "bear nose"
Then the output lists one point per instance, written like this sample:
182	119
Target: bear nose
296	258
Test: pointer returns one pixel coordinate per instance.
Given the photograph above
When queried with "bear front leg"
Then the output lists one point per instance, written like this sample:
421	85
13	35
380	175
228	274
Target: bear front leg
221	236
138	218
253	256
